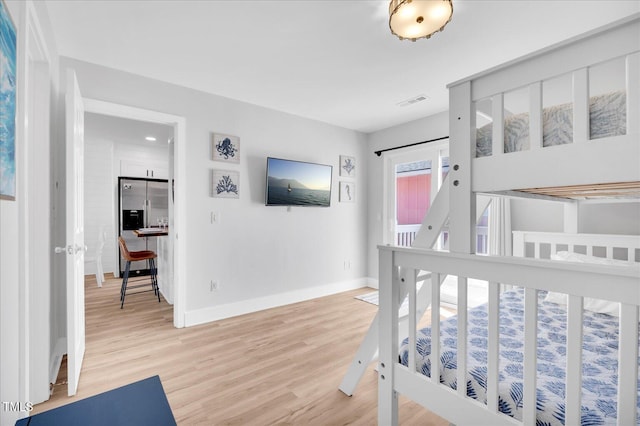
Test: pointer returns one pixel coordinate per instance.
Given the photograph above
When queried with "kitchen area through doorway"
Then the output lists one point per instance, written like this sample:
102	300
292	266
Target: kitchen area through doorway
128	170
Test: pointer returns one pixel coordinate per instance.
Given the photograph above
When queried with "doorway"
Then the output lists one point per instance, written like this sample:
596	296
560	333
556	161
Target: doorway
412	180
175	177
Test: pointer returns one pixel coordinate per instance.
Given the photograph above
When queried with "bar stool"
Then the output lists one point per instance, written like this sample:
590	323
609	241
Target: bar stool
132	256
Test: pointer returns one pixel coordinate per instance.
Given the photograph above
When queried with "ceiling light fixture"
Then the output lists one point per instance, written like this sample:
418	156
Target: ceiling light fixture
150	138
414	19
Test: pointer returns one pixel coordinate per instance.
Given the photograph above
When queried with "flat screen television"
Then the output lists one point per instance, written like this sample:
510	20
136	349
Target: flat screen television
298	183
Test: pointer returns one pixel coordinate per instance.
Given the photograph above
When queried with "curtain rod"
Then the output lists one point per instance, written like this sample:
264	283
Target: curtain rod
378	153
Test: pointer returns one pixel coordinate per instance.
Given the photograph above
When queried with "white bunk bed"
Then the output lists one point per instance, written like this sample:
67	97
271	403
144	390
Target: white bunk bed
589	167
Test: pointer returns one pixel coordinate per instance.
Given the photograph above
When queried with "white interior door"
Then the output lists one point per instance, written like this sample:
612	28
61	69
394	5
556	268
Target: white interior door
75	231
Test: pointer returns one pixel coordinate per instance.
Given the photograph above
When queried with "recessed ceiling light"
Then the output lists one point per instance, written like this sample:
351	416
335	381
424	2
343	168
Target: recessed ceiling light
150	138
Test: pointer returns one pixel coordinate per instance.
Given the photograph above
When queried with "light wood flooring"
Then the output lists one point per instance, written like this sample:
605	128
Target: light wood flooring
279	366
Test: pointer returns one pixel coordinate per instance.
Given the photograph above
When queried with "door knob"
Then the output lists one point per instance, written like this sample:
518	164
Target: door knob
67	249
70	249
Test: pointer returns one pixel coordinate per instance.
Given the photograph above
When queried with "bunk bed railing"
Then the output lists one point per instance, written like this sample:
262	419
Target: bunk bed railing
623	247
398	270
579	162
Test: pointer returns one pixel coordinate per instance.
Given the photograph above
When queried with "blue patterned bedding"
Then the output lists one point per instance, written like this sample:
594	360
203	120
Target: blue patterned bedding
607	117
599	359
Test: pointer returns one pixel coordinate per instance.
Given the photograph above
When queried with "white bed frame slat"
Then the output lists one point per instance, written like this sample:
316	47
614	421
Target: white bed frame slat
573	392
388	328
530	358
628	365
435	328
521	170
497	136
581	105
535	115
413	323
461	372
493	349
633	87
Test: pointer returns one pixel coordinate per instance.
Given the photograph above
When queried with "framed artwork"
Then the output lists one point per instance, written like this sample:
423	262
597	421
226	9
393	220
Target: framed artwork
8	105
225	184
347	192
347	166
225	148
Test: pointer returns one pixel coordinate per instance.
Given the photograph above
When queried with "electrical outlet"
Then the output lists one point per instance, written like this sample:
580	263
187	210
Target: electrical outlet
215	285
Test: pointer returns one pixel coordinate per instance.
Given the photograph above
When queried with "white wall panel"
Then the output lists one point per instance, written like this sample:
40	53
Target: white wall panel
253	251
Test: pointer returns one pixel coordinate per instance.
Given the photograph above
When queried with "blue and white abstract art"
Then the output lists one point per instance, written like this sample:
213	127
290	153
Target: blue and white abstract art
7	105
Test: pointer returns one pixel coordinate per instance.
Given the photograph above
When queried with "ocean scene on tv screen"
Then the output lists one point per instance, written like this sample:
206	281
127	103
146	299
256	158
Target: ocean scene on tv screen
297	183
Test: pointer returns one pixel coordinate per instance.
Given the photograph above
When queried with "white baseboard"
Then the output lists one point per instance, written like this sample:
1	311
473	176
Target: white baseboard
372	282
56	359
215	313
169	301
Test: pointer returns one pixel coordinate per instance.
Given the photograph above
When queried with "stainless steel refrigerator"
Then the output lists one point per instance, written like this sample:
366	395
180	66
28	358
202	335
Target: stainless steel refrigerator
142	203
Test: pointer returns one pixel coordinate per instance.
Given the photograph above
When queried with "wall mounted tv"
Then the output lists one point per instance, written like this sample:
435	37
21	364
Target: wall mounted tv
297	183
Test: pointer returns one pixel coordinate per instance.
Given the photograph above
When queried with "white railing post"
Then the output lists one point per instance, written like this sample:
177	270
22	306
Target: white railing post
388	338
573	390
633	93
535	116
628	365
581	125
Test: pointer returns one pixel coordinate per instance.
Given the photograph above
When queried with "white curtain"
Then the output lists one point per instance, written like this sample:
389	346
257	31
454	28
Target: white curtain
500	227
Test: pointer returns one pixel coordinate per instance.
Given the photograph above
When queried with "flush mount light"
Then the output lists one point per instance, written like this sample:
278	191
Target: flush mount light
414	19
150	139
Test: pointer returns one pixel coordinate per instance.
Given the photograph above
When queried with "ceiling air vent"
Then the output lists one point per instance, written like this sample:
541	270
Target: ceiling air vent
414	100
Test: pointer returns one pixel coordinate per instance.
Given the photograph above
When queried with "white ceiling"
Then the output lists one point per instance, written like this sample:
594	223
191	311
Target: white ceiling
334	60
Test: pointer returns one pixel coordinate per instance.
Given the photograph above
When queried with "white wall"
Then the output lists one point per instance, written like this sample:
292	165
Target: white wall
537	215
262	256
615	218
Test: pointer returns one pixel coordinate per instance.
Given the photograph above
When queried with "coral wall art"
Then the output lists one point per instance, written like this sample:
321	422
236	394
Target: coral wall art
347	166
225	184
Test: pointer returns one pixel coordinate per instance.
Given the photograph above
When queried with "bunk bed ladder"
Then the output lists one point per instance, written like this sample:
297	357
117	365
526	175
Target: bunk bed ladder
427	236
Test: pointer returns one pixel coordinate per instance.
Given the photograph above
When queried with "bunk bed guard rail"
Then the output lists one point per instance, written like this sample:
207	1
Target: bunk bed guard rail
398	271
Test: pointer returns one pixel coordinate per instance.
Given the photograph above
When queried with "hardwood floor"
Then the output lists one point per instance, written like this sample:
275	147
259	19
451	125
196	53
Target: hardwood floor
280	366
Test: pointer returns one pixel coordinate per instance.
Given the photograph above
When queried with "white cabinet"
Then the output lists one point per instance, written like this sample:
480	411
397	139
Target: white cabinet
145	169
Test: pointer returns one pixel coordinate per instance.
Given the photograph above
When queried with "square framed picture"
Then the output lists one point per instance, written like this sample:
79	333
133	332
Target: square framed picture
347	192
347	166
225	148
225	184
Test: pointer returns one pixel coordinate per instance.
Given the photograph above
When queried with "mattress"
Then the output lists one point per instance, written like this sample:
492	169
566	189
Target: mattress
607	117
600	351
